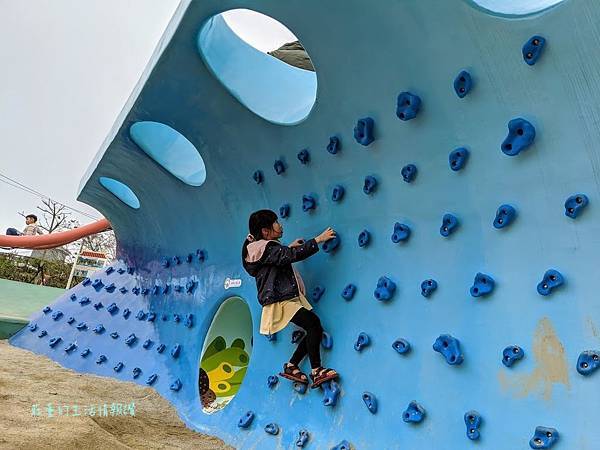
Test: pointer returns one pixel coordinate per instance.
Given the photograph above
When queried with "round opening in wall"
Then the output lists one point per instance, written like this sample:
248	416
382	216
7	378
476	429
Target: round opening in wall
225	355
278	85
121	191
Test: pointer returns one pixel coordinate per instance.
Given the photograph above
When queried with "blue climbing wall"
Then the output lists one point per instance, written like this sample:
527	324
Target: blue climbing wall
366	55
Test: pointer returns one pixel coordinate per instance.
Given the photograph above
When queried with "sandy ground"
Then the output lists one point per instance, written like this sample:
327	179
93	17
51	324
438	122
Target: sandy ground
27	379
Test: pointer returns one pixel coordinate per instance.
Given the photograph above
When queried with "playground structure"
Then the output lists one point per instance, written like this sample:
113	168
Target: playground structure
453	148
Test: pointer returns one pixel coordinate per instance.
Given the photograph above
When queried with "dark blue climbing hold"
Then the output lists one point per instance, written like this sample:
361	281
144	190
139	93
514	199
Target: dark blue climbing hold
69	348
297	336
130	270
272	381
156	290
130	340
544	437
363	340
279	167
32	326
161	348
414	413
363	131
370	401
135	291
334	145
505	215
101	359
178	288
85	282
427	287
370	185
308	203
588	362
344	445
401	232
189	258
164	317
136	372
300	388
165	262
109	270
482	285
42	333
118	367
317	293
121	271
151	317
552	279
73	297
302	438
246	420
532	49
81	326
409	173
363	238
202	255
141	315
176	318
151	379
112	308
575	204
111	288
166	289
98	306
191	286
97	284
463	84
326	341
473	422
408	106
258	177
402	346
176	350
189	320
54	341
272	428
84	301
46	309
114	335
145	291
56	315
449	347
271	337
348	292
126	313
304	156
176	260
338	193
330	245
385	289
284	211
521	135
147	344
512	354
331	392
85	352
99	329
449	225
175	385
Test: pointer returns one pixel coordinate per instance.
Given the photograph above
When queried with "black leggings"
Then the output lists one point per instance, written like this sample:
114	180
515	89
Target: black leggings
310	343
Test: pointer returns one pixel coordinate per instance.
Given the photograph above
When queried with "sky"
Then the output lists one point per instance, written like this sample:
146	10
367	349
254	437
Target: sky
68	67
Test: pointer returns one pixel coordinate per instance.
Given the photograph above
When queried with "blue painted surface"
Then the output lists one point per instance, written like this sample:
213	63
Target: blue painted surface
121	191
559	95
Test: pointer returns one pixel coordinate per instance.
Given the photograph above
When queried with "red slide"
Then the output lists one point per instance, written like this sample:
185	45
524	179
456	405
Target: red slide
45	241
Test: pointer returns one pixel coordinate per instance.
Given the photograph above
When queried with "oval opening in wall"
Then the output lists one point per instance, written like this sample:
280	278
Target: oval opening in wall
121	191
278	91
225	355
171	149
515	8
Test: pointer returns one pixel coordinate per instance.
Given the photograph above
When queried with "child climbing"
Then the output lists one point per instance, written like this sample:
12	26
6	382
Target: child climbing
281	291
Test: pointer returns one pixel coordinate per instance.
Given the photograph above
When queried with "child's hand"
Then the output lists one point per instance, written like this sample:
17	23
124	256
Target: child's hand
329	233
297	243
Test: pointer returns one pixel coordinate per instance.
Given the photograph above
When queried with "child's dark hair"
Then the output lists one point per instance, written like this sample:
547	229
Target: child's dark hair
265	218
33	216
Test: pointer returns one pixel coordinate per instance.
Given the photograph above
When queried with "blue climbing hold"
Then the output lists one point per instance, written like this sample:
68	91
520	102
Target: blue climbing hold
112	308
414	413
109	270
300	388
69	348
370	401
126	313
552	279
482	285
385	289
176	350
344	445
151	379
136	372
272	381
521	135
363	238
512	354
297	336
544	437
271	337
85	353
118	367
427	287
114	335
246	420
156	290
161	348
575	204
99	329
308	203
73	297
408	106
121	271
330	245
202	255
473	422
191	286
331	392
284	211
348	292
370	185
81	326
189	320
588	362
463	83
334	145
175	385
258	177
151	317
84	301
363	340
147	344
363	131
97	284
46	309
302	438
402	346
532	49
32	326
401	232
84	282
176	260
165	262
272	428
326	341
101	359
338	193
449	225
317	293
56	315
130	340
42	333
409	173
54	341
279	167
449	347
304	156
141	315
505	215
98	306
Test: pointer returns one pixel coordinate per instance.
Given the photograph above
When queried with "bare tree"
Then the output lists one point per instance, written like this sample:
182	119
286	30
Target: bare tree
102	242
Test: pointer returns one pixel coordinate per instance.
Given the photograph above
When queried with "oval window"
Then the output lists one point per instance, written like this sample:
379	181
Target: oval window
279	86
171	150
225	355
121	191
515	7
